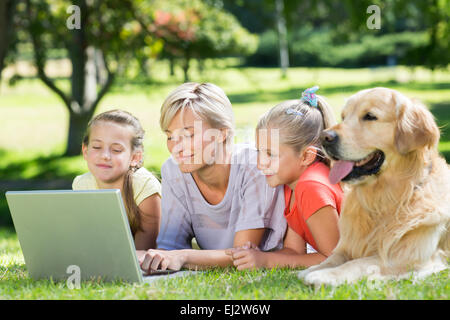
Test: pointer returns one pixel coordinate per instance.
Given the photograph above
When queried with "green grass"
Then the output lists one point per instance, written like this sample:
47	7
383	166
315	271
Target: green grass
33	127
220	284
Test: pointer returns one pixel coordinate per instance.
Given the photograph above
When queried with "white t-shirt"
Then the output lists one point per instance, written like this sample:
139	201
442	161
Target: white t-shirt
145	184
249	203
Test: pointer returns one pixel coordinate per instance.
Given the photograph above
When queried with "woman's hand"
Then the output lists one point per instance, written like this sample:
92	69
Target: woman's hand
161	260
140	255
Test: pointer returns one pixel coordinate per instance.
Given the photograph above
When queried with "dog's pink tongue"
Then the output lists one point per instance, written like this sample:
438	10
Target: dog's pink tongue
339	170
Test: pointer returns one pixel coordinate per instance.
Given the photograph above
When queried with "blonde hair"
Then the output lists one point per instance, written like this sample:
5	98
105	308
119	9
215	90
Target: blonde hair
206	100
127	119
299	123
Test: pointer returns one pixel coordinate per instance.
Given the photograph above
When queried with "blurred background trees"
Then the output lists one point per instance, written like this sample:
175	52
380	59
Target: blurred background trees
111	33
334	33
115	34
195	29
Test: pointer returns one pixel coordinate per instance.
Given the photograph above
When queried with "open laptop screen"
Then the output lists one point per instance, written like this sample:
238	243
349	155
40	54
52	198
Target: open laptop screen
63	228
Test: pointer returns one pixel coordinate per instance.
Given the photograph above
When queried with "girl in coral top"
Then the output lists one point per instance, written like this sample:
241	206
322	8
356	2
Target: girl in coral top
288	140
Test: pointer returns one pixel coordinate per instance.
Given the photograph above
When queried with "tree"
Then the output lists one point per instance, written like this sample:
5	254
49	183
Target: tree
197	30
7	13
344	24
282	37
88	32
436	53
273	13
432	16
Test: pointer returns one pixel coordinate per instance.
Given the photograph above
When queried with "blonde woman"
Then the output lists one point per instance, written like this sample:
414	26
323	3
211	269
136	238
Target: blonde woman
212	189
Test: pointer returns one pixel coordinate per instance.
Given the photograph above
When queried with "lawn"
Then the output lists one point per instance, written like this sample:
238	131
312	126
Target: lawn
218	284
32	137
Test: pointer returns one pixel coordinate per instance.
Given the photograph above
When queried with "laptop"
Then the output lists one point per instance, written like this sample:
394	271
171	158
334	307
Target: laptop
63	231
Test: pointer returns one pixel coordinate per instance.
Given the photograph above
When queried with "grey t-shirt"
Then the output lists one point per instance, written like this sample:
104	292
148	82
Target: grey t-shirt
249	203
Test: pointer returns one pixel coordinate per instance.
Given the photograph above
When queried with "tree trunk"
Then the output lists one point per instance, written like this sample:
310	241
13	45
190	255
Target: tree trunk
201	66
78	57
84	97
84	80
172	66
100	68
77	128
187	60
83	107
83	86
7	9
282	37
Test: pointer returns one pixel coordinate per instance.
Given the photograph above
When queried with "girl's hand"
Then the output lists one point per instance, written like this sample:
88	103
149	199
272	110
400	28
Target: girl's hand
247	258
161	260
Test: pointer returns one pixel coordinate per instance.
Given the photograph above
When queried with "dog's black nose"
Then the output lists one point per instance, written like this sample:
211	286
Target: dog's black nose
329	137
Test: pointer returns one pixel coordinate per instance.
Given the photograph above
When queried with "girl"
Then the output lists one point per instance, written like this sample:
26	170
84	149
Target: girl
295	161
113	149
212	189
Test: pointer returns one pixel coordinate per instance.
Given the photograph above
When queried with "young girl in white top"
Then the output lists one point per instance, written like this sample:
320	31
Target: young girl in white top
113	150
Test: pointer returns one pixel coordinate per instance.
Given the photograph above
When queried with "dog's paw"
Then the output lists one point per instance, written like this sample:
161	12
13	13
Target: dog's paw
322	277
302	274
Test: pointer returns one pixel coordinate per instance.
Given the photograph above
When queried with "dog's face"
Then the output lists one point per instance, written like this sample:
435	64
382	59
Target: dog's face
378	125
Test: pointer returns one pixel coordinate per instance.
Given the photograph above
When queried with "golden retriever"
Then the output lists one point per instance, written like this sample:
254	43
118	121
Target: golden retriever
395	220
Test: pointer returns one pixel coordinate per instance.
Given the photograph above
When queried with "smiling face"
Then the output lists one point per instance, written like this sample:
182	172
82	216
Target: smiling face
192	142
280	163
363	138
109	154
378	126
367	125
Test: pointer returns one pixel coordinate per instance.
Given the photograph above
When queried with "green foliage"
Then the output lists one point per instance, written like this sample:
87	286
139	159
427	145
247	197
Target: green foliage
196	29
108	25
336	32
223	35
309	47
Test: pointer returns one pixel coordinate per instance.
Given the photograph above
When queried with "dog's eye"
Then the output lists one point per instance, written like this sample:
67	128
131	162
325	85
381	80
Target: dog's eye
369	117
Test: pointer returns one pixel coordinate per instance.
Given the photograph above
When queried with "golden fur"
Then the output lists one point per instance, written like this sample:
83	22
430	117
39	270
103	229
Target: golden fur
396	223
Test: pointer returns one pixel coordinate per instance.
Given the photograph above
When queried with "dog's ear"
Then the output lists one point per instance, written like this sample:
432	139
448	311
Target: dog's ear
416	127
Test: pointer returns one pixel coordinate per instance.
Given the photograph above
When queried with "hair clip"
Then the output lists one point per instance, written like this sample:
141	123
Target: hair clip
292	111
309	96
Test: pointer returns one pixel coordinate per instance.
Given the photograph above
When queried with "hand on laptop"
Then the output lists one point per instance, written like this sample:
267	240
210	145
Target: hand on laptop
160	260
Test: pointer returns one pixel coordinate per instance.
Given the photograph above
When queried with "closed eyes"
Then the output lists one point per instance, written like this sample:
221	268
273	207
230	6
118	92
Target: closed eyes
114	150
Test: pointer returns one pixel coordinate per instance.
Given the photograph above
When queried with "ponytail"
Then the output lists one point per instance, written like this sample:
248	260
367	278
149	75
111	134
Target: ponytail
301	121
133	211
328	120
